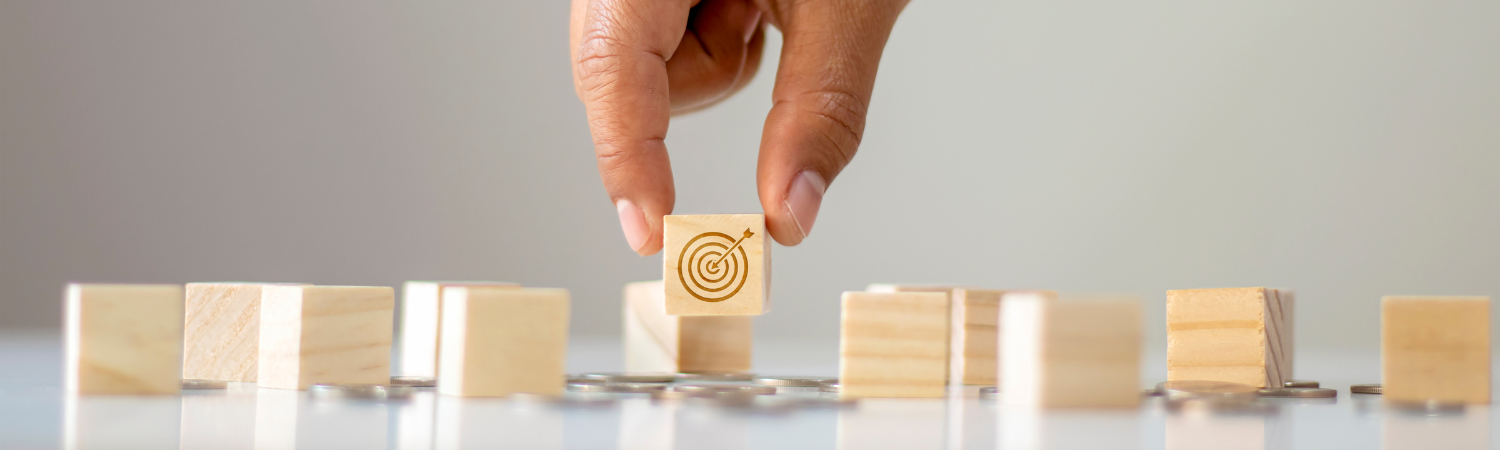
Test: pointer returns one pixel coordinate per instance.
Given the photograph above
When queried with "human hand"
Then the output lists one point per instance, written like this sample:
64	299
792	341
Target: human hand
637	62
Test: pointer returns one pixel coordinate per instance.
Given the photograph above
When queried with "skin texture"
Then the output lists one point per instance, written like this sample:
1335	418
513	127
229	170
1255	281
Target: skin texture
638	62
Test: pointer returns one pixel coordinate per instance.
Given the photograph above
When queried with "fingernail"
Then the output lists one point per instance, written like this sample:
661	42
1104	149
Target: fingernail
633	223
751	23
803	198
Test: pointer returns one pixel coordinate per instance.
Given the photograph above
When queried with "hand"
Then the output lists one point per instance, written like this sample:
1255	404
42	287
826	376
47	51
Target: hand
637	62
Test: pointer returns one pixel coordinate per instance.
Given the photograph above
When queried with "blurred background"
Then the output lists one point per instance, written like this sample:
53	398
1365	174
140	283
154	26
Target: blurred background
1345	149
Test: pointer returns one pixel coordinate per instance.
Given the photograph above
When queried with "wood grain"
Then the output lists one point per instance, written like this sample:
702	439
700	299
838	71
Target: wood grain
221	331
419	324
122	339
325	334
1230	334
893	344
1435	348
499	341
659	343
685	234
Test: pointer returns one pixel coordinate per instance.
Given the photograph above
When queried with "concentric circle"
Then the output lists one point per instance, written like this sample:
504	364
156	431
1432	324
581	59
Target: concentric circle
712	267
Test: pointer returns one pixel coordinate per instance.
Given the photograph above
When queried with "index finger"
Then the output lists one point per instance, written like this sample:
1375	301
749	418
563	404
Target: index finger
620	52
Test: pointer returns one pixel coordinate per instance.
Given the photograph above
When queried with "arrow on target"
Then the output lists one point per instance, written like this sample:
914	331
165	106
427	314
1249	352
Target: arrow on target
736	245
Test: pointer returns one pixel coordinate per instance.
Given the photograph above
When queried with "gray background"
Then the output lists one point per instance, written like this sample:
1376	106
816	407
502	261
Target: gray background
1347	149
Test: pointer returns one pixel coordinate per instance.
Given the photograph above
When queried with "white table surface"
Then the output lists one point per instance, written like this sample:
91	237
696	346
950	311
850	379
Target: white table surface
34	413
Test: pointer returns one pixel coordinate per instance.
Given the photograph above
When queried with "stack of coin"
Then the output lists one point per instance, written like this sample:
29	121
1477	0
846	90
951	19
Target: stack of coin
191	384
715	376
622	387
1366	389
414	381
631	377
359	391
717	388
1299	393
811	382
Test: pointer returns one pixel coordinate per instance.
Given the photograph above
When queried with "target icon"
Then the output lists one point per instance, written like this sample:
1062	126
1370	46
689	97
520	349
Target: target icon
713	266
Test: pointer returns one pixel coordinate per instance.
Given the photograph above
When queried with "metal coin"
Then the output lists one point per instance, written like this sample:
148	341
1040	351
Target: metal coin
717	388
204	384
1299	393
360	391
618	388
989	392
631	377
414	381
1366	389
1217	390
829	387
1300	384
715	376
793	381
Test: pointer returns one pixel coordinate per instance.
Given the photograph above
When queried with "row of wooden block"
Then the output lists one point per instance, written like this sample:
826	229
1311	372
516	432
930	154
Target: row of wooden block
144	339
916	341
913	341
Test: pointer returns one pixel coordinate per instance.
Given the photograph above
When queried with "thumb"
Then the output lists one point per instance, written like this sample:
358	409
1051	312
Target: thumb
831	50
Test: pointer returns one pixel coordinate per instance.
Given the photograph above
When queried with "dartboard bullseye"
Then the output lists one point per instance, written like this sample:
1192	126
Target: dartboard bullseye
713	266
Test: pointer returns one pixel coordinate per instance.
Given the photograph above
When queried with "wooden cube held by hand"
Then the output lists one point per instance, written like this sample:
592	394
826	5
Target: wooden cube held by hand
717	264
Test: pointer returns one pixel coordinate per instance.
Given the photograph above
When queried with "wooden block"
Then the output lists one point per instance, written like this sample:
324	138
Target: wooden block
1082	353
1232	335
221	331
419	324
659	343
893	345
1435	348
717	265
123	339
499	341
325	334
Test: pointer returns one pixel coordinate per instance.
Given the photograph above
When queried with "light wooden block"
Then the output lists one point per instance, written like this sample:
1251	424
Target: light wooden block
123	339
702	280
221	331
1435	348
500	341
1070	354
325	334
955	353
1232	334
893	344
419	324
656	342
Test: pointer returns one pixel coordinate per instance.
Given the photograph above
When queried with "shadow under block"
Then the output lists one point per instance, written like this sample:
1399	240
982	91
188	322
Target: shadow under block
893	344
1070	354
419	324
500	341
659	343
1233	334
122	339
1435	348
221	331
325	334
716	264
